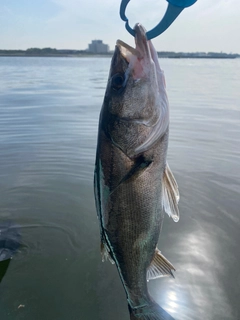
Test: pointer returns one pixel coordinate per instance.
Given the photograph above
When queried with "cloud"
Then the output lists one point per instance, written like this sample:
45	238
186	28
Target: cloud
205	26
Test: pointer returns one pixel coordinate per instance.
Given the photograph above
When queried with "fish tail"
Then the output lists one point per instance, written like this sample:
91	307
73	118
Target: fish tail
151	311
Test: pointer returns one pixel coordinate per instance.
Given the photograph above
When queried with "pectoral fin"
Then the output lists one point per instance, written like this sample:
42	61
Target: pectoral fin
138	168
170	194
159	267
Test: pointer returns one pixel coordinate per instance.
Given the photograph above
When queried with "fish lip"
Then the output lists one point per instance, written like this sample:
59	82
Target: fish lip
142	49
142	44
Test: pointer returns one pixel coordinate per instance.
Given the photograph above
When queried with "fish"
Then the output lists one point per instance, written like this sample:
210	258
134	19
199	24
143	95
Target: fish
133	183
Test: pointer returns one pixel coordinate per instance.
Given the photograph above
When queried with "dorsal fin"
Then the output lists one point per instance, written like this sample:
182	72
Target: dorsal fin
105	253
159	267
170	194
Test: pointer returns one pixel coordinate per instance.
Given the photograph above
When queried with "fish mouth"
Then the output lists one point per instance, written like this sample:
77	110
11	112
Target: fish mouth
127	51
142	49
142	44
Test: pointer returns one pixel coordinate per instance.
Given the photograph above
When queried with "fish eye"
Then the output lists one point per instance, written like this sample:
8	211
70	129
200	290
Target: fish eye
117	81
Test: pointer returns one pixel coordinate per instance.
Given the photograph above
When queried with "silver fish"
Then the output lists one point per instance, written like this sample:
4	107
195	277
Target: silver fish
133	183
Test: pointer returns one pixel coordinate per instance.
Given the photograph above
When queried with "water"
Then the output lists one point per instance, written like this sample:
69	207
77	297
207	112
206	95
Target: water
49	111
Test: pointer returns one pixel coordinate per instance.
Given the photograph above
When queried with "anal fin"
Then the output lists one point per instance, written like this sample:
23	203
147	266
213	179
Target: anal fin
159	267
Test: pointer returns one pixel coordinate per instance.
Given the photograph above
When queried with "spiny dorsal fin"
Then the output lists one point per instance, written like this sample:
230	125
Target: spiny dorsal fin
170	194
159	267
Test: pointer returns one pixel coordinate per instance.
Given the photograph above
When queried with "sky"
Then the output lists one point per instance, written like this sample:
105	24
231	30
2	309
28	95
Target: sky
208	25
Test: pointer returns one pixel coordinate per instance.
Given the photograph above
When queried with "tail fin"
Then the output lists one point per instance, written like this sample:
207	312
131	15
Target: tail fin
152	311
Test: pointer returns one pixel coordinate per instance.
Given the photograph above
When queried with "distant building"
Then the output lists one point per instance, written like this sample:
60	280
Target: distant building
97	46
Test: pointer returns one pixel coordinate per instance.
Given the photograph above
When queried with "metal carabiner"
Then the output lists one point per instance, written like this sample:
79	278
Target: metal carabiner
174	8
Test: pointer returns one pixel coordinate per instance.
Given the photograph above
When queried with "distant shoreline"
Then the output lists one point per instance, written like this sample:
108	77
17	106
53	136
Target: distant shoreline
49	52
53	52
185	56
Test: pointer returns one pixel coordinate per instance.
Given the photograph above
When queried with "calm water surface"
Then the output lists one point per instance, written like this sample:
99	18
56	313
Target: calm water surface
49	110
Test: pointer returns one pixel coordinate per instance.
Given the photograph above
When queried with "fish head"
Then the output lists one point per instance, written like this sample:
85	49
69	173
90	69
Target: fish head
136	93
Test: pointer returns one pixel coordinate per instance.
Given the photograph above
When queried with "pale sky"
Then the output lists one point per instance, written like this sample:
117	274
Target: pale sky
208	25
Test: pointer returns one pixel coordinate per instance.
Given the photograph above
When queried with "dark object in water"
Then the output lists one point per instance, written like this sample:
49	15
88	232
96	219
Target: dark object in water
9	243
9	239
3	268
